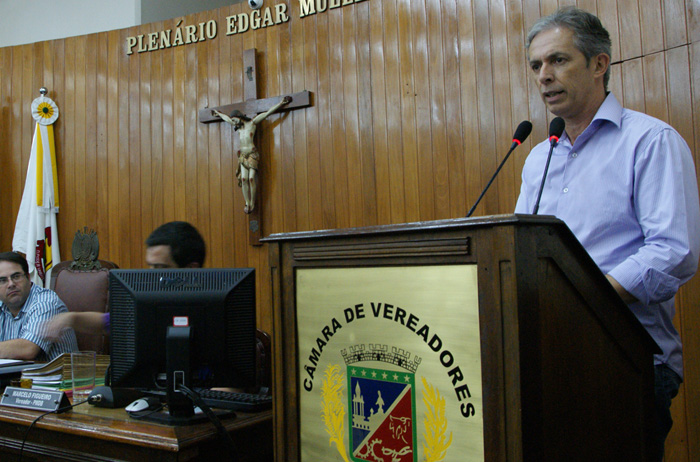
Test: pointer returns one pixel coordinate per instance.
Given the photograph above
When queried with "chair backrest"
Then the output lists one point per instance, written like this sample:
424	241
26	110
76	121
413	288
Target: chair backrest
263	362
84	290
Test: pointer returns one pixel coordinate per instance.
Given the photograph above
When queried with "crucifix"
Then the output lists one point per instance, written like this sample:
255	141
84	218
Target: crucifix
244	117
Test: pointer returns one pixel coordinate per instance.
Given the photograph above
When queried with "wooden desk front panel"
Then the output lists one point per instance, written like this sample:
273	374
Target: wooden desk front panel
94	434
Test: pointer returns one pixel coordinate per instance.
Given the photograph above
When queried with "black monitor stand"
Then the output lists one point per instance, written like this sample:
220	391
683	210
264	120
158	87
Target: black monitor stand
178	367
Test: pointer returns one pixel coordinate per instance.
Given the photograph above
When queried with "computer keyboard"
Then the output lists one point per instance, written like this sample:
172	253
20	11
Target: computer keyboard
234	401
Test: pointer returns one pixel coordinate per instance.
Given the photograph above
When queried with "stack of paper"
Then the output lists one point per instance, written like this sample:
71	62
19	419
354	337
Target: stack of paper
56	374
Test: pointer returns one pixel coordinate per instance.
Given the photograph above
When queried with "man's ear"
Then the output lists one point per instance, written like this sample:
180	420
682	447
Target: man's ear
601	62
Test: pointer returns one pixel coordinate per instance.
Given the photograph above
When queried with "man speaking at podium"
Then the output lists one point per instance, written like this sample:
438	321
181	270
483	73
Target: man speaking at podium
622	181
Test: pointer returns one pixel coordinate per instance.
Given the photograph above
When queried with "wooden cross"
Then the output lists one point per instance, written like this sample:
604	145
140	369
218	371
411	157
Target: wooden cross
252	106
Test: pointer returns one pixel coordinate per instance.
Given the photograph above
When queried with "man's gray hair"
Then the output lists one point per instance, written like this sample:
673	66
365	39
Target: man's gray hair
590	37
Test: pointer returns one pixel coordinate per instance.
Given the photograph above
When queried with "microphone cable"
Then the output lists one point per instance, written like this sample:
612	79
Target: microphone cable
57	411
221	430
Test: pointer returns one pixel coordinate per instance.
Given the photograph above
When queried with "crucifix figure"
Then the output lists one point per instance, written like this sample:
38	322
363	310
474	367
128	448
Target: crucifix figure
244	117
248	155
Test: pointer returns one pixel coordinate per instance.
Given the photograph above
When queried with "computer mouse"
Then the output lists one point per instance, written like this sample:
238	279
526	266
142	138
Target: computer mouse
148	403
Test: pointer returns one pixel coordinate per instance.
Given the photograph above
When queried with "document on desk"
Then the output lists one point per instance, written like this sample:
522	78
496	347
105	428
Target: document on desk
10	367
14	362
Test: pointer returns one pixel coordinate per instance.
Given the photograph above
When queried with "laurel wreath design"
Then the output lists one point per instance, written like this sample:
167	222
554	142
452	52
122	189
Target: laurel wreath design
332	409
435	424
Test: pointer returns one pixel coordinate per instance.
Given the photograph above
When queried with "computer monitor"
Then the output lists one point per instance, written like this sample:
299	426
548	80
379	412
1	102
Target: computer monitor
182	326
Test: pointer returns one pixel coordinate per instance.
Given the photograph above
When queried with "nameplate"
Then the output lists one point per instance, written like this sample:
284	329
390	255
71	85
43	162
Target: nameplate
40	400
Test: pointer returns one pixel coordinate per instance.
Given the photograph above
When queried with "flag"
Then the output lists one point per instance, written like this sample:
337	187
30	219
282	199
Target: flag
36	233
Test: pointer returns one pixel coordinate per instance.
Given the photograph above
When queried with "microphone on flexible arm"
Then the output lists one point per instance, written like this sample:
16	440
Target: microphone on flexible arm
556	128
520	135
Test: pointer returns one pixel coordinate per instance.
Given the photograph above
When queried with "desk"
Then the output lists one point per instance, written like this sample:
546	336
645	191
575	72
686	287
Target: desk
88	433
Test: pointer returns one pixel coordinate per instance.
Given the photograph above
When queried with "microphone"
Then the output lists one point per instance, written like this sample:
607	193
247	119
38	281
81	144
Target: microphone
113	397
520	135
556	128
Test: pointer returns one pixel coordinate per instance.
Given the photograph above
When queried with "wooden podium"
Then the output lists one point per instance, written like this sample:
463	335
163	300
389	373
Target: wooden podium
566	368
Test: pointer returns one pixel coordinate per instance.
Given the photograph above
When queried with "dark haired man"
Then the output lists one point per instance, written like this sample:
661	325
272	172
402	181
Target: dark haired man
176	244
24	307
622	181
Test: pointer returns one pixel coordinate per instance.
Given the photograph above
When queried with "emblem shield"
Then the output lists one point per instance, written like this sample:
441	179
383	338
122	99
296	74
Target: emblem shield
382	414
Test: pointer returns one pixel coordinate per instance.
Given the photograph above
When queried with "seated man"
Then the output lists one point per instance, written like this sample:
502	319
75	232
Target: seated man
24	306
176	244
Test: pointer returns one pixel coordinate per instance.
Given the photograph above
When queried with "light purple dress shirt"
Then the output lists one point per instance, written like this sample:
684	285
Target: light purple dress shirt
628	191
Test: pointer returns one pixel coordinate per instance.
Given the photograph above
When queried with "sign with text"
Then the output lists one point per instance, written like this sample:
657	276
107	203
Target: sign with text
389	364
40	400
186	34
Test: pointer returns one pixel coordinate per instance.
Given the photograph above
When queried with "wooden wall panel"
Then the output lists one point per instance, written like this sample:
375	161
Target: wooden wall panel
379	111
409	153
651	26
413	106
503	104
468	95
693	20
7	164
630	43
366	150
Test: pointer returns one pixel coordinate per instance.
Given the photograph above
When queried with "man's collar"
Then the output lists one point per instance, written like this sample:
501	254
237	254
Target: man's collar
610	110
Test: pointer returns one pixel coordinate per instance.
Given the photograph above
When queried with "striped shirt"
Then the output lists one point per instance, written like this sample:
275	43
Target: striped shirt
627	189
41	305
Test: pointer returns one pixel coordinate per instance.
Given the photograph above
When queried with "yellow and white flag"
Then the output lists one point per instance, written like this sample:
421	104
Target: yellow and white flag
36	233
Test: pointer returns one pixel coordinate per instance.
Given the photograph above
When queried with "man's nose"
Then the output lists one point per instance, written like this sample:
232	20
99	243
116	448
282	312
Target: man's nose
545	74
